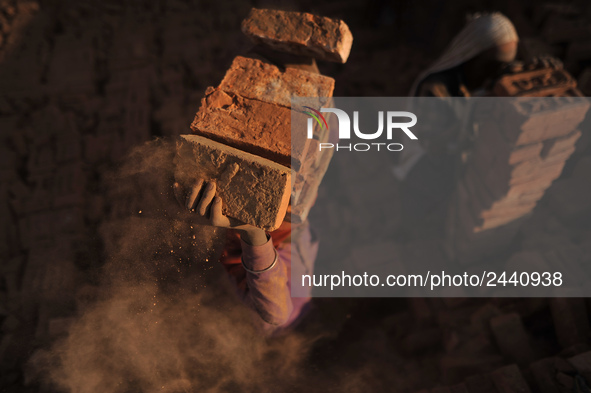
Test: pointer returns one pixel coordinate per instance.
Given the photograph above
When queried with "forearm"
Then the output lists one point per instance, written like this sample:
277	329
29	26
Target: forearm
267	291
253	236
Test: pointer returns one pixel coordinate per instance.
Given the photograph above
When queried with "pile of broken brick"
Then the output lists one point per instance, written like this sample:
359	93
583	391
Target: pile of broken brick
521	147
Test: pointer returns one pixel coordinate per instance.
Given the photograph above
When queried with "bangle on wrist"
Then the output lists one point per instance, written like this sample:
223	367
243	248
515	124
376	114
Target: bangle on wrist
265	269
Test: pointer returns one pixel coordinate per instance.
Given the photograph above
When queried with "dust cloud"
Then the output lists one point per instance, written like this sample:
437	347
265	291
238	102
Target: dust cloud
163	316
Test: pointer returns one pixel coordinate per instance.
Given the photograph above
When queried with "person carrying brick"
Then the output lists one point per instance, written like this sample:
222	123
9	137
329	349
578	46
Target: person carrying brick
259	263
467	68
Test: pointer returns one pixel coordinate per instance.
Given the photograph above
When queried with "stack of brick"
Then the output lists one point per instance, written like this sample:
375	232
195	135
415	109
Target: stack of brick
244	125
521	148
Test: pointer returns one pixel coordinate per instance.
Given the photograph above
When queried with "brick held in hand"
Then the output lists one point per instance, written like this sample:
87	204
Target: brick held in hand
254	126
253	189
300	34
255	79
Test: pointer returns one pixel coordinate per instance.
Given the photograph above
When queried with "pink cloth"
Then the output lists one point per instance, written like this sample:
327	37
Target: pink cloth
269	293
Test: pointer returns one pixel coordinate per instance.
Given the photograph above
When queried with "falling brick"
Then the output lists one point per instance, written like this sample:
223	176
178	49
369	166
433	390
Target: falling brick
254	190
257	80
300	34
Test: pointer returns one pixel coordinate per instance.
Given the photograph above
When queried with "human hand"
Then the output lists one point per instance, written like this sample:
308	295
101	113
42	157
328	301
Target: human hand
202	200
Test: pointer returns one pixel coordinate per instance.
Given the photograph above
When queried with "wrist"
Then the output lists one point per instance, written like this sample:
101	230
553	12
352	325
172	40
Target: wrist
253	236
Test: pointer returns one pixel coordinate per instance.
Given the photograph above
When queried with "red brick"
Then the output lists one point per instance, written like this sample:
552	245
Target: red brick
536	83
487	213
250	125
529	120
561	144
502	181
254	190
300	33
530	170
484	214
308	180
510	211
532	187
492	146
524	153
257	80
